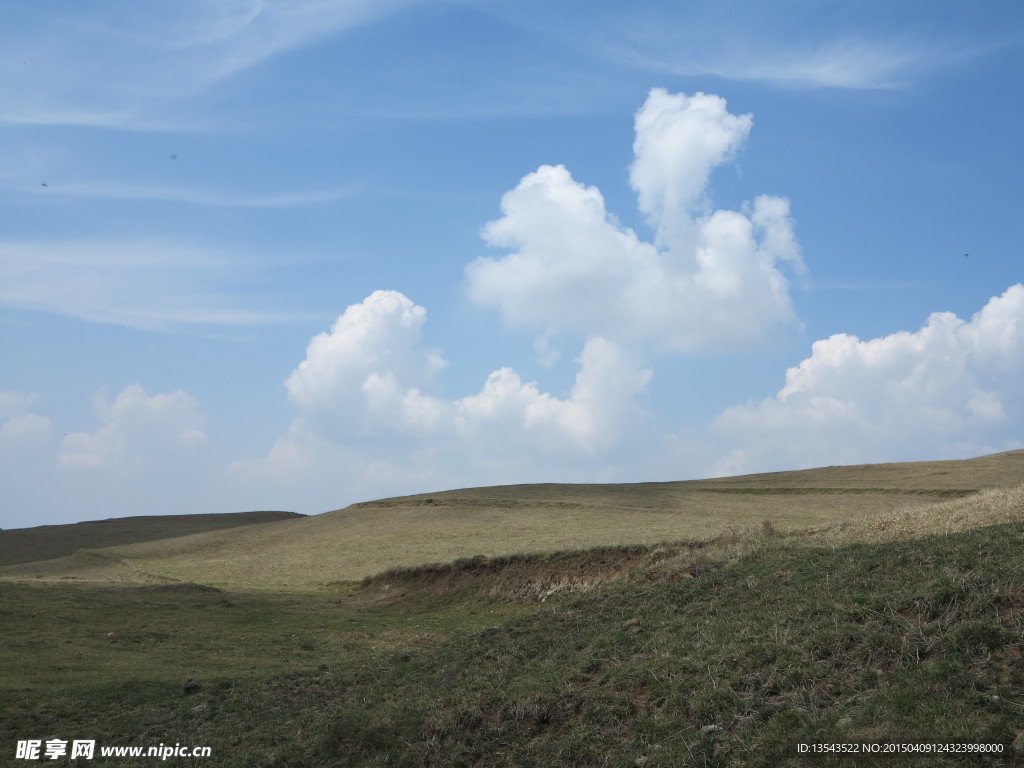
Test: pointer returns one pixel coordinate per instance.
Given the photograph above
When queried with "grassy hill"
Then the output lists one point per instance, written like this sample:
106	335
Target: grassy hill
704	623
728	652
363	539
46	542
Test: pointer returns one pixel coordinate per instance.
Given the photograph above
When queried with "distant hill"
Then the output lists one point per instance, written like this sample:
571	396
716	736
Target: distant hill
47	542
366	538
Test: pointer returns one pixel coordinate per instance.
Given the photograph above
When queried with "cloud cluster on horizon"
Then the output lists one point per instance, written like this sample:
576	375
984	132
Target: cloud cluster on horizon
146	457
369	385
950	389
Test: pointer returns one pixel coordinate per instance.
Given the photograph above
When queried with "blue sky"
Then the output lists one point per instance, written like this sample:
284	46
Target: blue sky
292	255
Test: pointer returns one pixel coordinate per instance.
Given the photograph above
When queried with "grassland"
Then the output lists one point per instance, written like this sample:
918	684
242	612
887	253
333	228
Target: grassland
899	622
363	539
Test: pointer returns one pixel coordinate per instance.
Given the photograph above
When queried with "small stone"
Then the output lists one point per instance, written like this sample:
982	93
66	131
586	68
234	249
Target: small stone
711	729
1018	743
633	626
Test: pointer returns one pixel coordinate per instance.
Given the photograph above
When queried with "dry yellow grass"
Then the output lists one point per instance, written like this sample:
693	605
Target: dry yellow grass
993	506
367	538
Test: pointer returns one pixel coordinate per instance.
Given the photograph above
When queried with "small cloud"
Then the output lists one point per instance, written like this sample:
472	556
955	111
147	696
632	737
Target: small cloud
13	404
369	371
508	413
23	435
137	431
544	351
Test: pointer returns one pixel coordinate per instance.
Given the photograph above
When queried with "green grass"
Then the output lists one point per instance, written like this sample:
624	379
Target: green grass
56	636
919	640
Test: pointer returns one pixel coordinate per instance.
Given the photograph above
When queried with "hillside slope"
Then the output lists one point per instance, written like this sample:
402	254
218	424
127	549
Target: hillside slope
366	538
46	542
914	641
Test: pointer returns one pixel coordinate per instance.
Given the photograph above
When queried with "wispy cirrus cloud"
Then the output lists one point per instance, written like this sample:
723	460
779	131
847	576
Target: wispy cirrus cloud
149	285
819	45
842	63
130	68
194	195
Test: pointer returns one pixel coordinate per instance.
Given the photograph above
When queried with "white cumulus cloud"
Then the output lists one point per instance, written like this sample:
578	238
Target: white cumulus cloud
508	412
369	370
137	431
950	390
366	404
710	277
679	140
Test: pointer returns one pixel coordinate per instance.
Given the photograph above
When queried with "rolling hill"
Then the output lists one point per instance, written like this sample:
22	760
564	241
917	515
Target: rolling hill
879	605
365	538
46	542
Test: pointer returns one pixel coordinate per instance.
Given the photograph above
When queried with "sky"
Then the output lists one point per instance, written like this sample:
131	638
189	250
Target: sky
295	254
